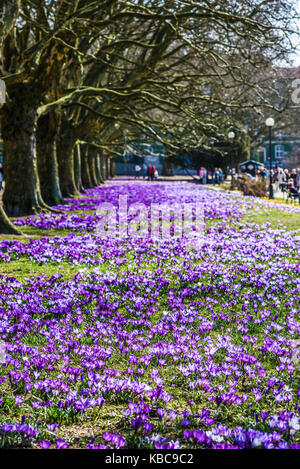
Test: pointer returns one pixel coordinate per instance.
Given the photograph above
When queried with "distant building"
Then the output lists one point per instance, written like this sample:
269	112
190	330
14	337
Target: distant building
283	148
152	154
139	153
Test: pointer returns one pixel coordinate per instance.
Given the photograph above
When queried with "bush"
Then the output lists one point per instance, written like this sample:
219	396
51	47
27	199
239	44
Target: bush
248	186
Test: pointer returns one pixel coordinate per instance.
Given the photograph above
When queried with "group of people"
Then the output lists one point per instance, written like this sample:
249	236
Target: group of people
211	177
286	178
146	171
291	179
282	178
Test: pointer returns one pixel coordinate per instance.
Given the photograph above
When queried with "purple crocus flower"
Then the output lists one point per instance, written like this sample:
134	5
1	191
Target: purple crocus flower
61	444
45	444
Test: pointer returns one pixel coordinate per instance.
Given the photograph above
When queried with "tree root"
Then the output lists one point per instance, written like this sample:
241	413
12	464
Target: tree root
6	226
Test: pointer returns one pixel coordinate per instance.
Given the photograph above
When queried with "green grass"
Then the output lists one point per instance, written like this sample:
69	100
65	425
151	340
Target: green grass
34	233
24	268
277	219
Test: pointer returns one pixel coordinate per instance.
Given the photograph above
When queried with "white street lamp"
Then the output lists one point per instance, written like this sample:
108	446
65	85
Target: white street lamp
270	123
231	136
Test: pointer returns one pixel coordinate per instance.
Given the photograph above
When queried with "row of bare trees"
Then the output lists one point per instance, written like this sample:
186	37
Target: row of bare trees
79	73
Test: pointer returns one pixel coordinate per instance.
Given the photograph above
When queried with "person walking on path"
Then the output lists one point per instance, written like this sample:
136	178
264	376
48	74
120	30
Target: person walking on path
145	167
275	179
287	175
201	175
293	176
153	170
221	176
137	171
298	180
281	178
216	176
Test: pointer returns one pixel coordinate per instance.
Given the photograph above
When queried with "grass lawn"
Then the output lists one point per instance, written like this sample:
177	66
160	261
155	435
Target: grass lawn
276	218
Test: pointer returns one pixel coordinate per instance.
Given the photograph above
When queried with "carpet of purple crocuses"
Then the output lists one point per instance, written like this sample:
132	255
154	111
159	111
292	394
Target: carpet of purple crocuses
153	343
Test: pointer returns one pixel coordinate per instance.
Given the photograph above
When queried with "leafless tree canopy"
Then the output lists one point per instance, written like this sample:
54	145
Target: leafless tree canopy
174	71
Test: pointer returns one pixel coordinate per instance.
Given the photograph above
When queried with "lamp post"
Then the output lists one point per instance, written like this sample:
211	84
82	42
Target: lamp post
231	136
125	151
270	123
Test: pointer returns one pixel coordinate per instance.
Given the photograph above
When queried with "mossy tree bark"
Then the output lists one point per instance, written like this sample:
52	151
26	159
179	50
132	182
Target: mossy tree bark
9	11
46	137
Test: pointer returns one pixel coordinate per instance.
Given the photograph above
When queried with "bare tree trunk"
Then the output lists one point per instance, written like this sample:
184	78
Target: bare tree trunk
112	168
85	168
47	159
168	169
65	158
107	167
92	153
77	167
22	195
6	226
98	169
102	167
